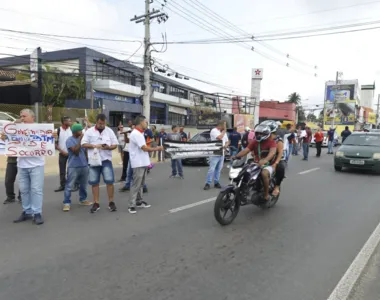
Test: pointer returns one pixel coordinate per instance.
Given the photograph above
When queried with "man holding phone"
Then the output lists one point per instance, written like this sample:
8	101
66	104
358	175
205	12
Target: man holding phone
103	139
216	162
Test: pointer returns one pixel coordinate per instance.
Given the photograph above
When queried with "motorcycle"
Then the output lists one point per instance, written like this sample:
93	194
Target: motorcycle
246	187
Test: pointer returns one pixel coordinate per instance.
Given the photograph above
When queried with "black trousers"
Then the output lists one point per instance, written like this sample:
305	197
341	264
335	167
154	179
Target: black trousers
280	172
319	148
10	178
62	161
125	166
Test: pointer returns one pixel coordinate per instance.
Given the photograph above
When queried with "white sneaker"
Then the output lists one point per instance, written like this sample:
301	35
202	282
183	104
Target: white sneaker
132	210
143	204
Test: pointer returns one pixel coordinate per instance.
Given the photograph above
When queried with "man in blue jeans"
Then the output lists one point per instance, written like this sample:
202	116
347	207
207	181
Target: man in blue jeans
100	141
77	168
330	137
216	162
31	180
176	163
306	143
234	138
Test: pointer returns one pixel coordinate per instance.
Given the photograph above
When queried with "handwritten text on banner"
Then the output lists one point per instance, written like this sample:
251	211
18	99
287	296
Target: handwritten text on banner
29	139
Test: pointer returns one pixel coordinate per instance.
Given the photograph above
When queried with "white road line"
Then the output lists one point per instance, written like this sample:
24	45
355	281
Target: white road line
344	288
174	210
308	171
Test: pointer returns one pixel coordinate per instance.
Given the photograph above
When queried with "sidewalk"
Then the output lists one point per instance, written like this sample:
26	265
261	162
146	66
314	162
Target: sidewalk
368	287
51	165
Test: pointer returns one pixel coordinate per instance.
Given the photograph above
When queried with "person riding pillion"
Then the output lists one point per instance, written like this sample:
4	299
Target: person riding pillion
263	150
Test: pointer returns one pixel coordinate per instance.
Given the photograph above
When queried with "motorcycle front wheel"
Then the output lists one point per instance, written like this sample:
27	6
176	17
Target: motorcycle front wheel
226	207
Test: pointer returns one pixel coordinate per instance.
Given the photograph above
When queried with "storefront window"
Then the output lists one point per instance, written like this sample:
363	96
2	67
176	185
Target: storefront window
157	115
176	119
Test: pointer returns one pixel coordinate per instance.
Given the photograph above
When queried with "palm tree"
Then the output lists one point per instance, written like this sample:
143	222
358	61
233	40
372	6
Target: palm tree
294	98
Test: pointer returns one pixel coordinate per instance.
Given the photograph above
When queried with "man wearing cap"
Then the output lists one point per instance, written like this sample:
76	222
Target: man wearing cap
77	168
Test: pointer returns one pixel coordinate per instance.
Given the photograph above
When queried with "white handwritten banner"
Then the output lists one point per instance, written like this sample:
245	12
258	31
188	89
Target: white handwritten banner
29	140
2	143
181	150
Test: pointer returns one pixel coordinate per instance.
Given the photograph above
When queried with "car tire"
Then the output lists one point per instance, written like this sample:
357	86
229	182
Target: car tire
338	168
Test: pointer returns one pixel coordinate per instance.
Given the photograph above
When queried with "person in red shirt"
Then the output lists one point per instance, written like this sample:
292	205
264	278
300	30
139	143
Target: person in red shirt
318	137
263	150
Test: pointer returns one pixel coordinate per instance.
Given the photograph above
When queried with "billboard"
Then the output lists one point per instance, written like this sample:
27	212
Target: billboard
344	113
242	121
340	93
208	120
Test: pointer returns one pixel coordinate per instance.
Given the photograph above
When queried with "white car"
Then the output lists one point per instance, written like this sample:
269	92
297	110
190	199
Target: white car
6	117
325	139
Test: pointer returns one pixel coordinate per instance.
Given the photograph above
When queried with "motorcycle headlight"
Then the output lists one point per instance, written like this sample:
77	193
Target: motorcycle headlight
339	154
376	156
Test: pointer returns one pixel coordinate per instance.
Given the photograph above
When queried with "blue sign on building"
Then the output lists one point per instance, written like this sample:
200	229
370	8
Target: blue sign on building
107	96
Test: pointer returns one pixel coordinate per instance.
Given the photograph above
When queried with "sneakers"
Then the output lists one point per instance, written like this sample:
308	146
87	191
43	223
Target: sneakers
24	217
143	204
112	206
207	187
38	219
95	207
181	177
9	200
217	185
66	207
124	189
85	203
173	176
132	210
60	189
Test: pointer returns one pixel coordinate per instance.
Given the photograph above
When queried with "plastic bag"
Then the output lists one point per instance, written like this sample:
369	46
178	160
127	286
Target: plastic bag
94	159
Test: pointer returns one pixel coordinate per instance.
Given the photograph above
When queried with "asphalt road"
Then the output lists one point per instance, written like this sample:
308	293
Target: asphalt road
297	251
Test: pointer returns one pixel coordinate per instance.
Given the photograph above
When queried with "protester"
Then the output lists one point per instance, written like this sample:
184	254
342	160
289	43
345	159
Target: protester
148	134
10	178
31	180
183	134
120	139
127	132
100	140
318	137
139	159
77	168
154	140
177	168
291	138
345	133
300	139
160	138
244	139
63	133
234	138
216	162
330	137
306	143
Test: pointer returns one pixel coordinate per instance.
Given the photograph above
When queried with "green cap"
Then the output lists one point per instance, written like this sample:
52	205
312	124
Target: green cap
76	128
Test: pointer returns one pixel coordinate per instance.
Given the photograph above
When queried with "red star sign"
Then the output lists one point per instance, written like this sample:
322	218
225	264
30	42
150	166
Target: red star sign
258	72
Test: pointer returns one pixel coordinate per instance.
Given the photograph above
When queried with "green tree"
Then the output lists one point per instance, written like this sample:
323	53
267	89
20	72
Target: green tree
311	117
301	114
58	86
294	98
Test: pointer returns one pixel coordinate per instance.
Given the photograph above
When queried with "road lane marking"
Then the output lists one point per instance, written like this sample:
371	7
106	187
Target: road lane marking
174	210
345	286
308	171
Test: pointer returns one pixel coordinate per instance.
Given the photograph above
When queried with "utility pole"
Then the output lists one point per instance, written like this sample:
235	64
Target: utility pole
245	105
335	98
378	110
149	15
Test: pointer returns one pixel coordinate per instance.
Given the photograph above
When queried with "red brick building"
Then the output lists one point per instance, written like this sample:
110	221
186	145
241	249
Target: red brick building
275	110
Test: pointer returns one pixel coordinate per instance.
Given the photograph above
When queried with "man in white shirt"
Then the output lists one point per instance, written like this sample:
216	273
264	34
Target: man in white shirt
100	140
63	133
216	162
139	160
31	180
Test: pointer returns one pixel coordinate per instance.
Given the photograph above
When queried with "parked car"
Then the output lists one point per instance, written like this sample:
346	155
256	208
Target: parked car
360	150
202	137
325	140
7	117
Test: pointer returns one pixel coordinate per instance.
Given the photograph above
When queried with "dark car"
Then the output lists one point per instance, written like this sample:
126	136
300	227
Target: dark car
202	137
360	150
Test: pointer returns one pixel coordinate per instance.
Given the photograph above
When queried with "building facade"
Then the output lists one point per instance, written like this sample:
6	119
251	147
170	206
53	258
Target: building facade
115	87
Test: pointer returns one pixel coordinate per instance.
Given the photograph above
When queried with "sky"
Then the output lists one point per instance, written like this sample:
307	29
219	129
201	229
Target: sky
228	65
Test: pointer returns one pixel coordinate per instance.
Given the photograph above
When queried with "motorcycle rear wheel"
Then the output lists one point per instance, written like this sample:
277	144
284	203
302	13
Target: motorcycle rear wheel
227	201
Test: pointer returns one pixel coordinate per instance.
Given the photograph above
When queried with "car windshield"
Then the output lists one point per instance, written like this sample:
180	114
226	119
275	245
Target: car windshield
363	140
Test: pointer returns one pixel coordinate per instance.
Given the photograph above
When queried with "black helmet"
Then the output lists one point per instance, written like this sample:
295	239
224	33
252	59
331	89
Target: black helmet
273	125
262	132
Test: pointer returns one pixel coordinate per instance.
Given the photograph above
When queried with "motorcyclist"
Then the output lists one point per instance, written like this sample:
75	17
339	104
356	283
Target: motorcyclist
279	162
264	150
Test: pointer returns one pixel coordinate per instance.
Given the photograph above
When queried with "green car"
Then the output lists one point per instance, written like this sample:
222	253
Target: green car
361	150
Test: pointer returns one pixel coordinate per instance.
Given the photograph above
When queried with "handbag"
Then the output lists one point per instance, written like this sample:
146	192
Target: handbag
94	159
